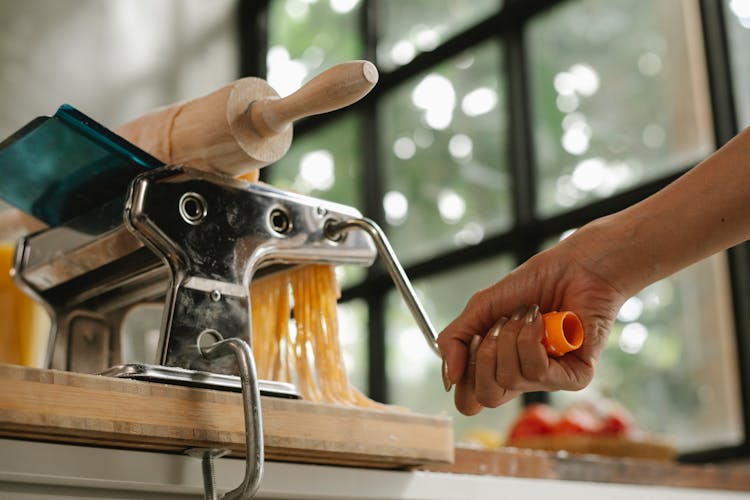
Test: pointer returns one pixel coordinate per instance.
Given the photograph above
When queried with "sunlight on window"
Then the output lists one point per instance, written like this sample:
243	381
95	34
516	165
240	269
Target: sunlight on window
343	6
426	38
479	101
297	9
284	74
649	64
403	51
471	234
404	148
352	317
631	310
316	170
413	352
396	207
451	206
631	94
563	83
567	103
585	79
460	146
436	96
633	337
654	136
576	138
313	57
589	174
741	9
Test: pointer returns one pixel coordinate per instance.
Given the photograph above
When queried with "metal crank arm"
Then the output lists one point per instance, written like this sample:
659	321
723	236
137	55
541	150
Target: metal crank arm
336	230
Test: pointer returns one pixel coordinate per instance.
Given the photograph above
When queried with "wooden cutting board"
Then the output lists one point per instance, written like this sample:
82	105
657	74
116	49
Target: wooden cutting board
90	409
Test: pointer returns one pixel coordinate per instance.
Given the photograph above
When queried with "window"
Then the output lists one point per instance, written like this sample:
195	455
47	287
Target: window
609	113
497	126
737	13
443	145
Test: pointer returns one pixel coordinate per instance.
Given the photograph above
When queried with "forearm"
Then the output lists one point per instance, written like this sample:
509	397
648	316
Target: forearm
703	212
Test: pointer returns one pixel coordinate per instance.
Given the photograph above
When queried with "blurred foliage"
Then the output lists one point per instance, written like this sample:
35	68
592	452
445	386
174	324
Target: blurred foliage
480	179
620	74
410	27
312	32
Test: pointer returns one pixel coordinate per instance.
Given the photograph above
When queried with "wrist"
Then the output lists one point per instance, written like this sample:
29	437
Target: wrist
616	249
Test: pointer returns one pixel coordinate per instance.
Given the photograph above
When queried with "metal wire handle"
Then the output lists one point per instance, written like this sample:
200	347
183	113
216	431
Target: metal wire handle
335	231
251	407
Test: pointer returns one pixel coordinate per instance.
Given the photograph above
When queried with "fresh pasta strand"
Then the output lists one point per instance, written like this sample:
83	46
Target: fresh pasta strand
312	357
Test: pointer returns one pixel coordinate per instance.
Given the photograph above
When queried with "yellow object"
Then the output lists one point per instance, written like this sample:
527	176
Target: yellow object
310	355
22	321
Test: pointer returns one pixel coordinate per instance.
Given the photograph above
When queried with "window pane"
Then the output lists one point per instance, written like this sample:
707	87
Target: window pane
619	94
414	378
304	38
738	31
325	164
408	28
672	359
444	152
353	338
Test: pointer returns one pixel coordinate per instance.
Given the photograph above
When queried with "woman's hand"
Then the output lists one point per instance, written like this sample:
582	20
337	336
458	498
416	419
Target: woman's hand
493	350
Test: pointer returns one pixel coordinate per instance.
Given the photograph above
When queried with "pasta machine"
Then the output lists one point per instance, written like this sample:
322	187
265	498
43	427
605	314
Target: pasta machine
192	241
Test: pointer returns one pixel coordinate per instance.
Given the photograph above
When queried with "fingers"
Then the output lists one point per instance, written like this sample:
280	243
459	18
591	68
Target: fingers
454	340
465	398
487	391
508	369
533	356
511	359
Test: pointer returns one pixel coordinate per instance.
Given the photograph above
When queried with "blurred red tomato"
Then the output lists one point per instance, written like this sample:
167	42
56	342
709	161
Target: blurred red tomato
535	420
617	423
578	420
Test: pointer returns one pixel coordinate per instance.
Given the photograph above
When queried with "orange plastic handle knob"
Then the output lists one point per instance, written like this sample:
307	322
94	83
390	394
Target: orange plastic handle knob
563	332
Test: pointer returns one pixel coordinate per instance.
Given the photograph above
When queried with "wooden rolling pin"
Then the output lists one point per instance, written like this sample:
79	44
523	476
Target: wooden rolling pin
245	125
235	130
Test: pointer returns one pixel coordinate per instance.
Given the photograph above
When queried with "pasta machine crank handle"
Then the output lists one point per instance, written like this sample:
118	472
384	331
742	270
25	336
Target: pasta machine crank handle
335	230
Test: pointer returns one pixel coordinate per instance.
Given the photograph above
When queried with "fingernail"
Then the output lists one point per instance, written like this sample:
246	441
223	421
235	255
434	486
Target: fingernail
532	314
495	330
446	381
519	313
474	347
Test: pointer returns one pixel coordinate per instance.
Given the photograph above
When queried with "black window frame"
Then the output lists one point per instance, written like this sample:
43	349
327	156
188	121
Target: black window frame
529	231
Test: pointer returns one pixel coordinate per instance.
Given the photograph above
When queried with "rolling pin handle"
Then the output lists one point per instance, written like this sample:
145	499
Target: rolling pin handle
335	88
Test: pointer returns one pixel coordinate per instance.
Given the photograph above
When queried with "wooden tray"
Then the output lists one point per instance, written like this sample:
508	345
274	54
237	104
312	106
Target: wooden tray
599	445
90	409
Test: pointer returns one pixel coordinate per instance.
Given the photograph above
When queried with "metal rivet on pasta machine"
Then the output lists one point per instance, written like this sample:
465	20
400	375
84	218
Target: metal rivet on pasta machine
193	208
280	221
207	338
333	232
